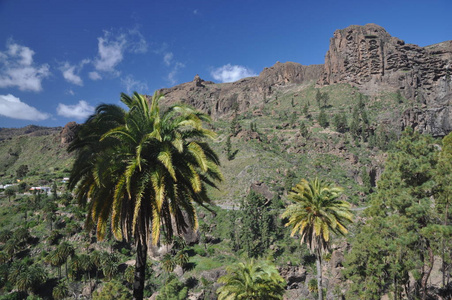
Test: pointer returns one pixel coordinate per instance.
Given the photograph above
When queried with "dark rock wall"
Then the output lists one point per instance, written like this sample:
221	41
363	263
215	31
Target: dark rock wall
371	59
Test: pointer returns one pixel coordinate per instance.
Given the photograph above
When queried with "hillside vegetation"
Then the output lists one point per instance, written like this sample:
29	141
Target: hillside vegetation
263	152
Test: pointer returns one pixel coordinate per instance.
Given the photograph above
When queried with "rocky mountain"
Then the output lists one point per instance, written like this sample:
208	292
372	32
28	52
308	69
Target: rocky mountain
366	57
371	59
219	100
30	130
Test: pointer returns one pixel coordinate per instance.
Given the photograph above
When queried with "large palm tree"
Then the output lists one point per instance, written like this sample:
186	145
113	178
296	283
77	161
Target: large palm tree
251	280
317	213
144	170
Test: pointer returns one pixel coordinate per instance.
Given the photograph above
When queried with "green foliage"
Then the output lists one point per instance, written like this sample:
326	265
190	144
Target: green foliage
229	153
323	119
340	122
30	278
397	239
252	280
322	99
306	110
173	290
129	274
312	286
10	192
61	291
304	131
366	180
257	225
22	171
399	97
113	290
140	168
317	213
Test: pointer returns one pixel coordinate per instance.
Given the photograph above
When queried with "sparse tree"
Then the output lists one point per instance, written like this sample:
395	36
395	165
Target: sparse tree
322	119
22	171
306	111
10	192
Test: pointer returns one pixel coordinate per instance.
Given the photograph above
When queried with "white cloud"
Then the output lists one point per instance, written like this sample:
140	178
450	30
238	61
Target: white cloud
169	61
111	52
167	58
80	111
132	85
12	107
94	75
230	73
196	11
172	75
136	42
69	74
18	70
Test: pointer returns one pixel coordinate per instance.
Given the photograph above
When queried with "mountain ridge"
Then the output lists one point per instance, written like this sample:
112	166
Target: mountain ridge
366	57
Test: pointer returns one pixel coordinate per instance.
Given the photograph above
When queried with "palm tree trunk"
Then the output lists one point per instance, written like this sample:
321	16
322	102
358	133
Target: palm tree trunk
140	268
319	275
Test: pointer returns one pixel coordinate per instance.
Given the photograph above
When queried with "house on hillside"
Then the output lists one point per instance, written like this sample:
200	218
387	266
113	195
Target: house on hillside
40	189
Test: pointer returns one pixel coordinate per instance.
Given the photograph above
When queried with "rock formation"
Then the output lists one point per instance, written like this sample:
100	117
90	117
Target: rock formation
219	100
366	57
371	59
67	134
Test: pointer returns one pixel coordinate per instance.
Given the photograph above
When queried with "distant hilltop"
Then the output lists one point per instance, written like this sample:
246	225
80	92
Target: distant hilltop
366	57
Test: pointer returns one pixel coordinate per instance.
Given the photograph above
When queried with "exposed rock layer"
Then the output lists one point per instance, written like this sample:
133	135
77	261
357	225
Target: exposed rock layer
221	99
370	58
367	57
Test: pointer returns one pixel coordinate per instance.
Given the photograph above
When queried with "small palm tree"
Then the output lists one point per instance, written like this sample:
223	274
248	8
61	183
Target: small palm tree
21	235
251	280
5	235
168	263
61	291
63	252
96	258
10	193
110	269
317	213
30	279
11	247
86	265
129	274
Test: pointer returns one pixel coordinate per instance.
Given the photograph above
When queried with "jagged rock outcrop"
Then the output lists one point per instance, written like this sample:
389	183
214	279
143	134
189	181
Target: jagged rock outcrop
371	59
67	134
219	100
367	57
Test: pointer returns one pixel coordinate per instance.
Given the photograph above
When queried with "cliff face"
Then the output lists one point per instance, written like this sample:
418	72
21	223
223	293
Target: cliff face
219	99
371	59
366	57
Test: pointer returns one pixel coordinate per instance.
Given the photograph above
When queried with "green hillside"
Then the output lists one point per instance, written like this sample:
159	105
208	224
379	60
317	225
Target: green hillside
266	150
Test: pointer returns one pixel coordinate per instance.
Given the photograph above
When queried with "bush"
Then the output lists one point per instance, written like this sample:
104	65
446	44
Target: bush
112	290
323	119
199	250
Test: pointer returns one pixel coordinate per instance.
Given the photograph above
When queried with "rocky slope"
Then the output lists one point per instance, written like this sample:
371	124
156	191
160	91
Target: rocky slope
366	57
219	100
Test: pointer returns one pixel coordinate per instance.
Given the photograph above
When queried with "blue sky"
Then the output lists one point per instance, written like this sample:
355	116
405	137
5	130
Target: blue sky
61	58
